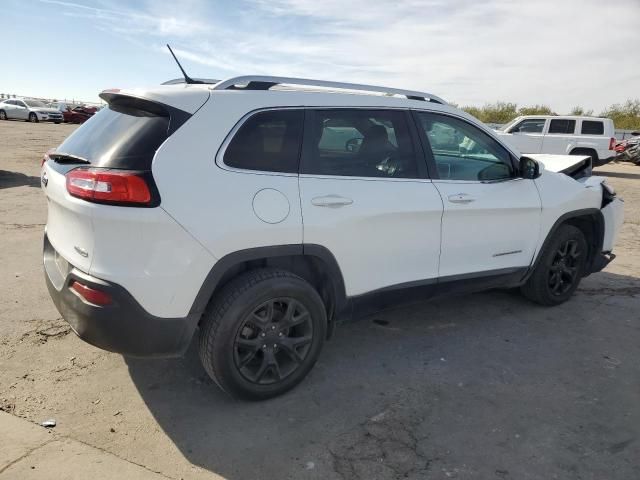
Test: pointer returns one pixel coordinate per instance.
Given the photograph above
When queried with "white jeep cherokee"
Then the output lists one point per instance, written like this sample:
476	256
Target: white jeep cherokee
263	213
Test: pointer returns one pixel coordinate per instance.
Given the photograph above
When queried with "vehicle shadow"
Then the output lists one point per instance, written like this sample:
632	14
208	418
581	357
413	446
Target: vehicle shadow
631	176
10	179
491	358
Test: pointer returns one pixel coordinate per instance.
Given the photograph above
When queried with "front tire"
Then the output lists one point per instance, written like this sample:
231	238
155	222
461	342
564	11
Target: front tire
3	115
33	118
560	268
262	334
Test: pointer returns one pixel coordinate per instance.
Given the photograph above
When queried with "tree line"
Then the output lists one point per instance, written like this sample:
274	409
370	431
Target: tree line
625	116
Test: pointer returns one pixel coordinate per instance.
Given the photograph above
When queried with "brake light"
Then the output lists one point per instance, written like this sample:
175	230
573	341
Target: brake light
108	186
612	143
91	295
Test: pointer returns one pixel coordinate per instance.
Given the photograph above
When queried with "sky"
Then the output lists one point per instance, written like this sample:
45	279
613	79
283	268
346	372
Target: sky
562	53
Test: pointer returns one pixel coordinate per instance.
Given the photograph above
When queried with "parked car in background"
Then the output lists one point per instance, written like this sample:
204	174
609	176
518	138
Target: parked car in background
74	113
629	150
570	135
30	110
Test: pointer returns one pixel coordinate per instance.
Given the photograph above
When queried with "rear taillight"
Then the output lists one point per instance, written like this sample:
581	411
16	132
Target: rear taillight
91	295
109	186
612	143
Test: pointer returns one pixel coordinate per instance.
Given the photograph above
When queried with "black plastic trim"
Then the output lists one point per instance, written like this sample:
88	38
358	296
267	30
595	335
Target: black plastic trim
123	326
405	293
227	262
595	247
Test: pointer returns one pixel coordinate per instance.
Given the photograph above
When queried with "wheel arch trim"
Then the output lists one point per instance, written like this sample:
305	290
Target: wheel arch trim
227	262
595	244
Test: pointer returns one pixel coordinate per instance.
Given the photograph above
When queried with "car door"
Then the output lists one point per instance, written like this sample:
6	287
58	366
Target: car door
366	197
527	135
560	137
21	111
10	108
491	218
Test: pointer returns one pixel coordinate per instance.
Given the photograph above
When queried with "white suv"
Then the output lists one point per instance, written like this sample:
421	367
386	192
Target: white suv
570	135
263	210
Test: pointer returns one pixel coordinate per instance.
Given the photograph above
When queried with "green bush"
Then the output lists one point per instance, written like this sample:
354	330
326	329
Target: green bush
625	116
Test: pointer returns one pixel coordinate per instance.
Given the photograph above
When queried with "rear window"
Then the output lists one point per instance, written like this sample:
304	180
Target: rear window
125	134
562	126
590	127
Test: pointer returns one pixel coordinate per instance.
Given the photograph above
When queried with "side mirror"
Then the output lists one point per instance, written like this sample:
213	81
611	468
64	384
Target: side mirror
529	168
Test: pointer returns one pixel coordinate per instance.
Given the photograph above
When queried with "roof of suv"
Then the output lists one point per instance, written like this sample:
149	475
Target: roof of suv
190	97
562	117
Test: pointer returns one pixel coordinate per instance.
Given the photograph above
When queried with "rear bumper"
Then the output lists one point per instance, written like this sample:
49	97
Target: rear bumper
123	326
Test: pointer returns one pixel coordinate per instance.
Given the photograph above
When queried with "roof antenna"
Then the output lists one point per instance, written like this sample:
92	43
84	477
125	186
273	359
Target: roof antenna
187	78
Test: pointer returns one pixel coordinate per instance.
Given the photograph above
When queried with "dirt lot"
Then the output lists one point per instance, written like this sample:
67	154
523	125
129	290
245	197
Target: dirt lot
481	386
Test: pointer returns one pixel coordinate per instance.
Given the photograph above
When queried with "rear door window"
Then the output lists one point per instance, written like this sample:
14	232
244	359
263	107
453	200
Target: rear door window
124	134
269	141
560	126
592	127
360	143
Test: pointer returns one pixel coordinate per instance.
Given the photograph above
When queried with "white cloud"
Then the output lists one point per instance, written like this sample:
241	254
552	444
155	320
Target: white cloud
562	53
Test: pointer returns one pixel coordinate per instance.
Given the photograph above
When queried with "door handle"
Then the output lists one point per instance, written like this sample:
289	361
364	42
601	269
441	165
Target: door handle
461	198
331	201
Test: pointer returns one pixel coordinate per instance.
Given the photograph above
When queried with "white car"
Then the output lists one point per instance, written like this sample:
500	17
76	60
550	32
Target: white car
263	210
568	135
30	110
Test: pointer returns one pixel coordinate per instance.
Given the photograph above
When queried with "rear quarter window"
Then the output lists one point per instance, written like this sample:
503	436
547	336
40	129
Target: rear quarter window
269	141
592	127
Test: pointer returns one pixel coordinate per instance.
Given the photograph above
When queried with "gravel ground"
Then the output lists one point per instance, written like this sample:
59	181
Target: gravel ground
478	386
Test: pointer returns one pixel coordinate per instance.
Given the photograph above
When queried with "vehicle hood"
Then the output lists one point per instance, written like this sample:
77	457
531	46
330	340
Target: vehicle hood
44	110
575	166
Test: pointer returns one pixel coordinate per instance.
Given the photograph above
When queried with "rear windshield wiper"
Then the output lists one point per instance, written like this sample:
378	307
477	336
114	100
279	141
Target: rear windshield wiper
67	158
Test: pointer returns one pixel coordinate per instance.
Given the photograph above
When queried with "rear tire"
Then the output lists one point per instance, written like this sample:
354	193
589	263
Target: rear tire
3	115
33	118
262	333
560	268
595	161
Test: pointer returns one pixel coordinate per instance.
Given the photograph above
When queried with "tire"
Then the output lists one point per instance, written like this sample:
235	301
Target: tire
57	123
595	161
559	269
33	118
3	115
245	346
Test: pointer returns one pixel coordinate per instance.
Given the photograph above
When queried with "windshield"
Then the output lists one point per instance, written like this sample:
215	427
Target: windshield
34	103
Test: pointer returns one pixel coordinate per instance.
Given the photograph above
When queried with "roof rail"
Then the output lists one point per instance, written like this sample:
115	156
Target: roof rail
177	81
259	82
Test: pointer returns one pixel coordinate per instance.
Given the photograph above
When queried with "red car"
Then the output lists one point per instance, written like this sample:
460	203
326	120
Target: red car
78	114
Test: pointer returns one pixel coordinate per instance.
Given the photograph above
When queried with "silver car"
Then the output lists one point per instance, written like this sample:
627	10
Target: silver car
30	110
